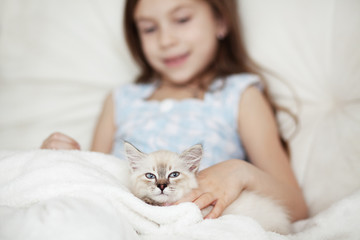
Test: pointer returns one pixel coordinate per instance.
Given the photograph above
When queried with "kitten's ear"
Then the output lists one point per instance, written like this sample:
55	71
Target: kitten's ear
192	157
133	155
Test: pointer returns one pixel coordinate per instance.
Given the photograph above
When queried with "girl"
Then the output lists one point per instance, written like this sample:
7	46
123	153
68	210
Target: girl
197	84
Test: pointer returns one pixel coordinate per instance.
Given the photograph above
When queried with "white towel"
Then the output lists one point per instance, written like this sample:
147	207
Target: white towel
62	195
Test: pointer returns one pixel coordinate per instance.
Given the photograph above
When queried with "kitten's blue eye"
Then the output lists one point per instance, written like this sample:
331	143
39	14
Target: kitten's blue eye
150	176
174	174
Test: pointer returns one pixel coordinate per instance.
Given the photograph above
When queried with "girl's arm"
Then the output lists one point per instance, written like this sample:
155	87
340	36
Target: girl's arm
105	128
270	172
273	174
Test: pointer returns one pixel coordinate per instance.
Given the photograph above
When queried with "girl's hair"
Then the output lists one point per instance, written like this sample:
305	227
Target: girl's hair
231	56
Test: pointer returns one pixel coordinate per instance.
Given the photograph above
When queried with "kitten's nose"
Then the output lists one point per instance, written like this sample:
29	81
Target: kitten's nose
162	186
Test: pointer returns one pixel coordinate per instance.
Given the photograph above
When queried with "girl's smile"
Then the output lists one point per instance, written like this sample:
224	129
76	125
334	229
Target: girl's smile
176	61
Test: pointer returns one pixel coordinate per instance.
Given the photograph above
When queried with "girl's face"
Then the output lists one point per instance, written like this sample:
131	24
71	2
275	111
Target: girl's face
178	37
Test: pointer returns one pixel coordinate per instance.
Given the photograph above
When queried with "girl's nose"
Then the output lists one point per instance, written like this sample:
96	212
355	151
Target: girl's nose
166	38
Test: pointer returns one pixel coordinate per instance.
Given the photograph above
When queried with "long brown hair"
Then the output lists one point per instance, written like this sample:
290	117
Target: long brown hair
231	57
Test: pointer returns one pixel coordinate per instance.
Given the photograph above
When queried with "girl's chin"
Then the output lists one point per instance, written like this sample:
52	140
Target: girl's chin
184	77
179	79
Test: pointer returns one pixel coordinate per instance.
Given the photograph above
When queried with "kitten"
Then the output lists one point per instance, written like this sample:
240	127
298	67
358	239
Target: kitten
163	177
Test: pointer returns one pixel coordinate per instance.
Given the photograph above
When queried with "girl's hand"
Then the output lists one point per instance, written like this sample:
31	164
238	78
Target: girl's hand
60	141
219	185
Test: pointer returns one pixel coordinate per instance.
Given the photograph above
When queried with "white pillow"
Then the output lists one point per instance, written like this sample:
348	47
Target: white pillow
58	61
313	49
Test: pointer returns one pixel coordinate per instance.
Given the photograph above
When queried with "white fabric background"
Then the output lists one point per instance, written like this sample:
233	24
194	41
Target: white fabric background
312	47
58	60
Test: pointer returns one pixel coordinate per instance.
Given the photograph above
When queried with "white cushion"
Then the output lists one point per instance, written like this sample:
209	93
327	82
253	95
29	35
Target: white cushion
58	61
312	47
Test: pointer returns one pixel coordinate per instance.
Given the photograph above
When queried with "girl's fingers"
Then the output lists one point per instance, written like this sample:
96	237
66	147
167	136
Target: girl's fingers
190	197
217	210
62	137
60	141
205	200
61	145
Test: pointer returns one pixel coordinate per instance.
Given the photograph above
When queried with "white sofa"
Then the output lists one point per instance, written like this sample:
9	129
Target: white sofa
58	60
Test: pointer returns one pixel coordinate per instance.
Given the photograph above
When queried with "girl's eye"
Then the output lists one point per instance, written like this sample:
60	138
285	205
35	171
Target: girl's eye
183	20
146	27
150	176
149	30
174	174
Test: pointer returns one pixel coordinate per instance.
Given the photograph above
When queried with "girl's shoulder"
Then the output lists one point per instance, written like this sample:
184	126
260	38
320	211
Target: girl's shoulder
133	91
236	83
230	92
243	80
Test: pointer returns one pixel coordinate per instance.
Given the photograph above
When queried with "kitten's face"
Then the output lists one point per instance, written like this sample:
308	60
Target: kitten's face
162	177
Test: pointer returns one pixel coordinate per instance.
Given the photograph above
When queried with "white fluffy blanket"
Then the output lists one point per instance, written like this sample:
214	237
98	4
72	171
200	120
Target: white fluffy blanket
69	195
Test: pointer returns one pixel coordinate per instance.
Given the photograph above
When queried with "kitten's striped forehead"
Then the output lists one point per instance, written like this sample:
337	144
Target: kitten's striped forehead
161	169
164	162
